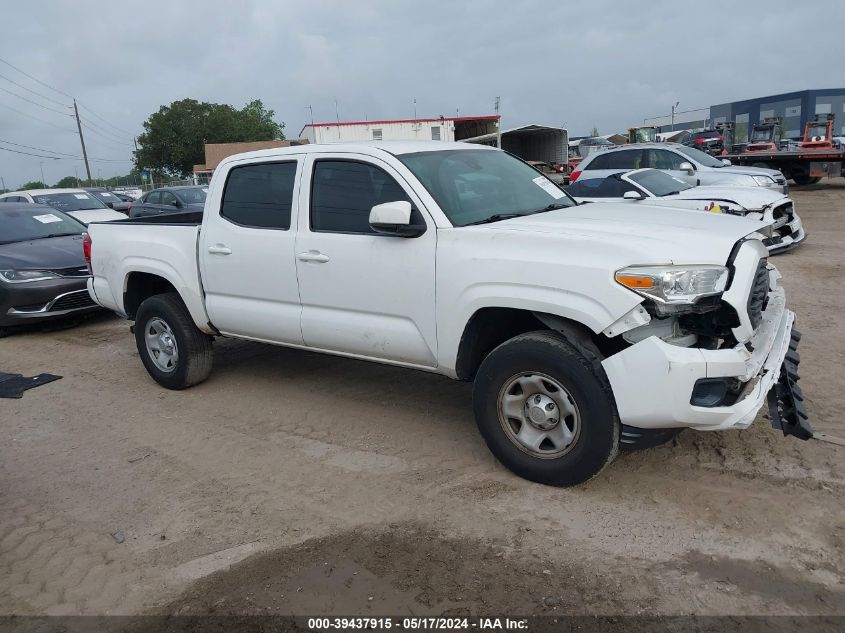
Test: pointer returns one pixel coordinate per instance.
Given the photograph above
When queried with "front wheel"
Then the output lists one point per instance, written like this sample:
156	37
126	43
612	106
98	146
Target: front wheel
545	409
174	351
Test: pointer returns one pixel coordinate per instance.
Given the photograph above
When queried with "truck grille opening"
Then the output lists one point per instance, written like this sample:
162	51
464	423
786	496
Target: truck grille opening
759	296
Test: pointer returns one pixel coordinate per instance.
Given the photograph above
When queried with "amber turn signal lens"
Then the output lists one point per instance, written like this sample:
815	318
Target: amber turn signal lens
635	281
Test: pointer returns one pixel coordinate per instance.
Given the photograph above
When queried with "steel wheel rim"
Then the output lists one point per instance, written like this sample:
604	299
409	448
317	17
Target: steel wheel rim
161	345
539	415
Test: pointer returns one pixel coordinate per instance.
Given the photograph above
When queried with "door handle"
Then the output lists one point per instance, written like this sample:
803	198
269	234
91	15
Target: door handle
312	256
219	249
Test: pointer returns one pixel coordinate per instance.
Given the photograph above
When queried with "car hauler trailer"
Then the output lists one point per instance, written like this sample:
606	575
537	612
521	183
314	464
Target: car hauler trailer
530	142
817	156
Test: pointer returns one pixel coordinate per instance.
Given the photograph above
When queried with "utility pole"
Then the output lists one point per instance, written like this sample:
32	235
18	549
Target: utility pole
41	164
81	140
673	114
498	123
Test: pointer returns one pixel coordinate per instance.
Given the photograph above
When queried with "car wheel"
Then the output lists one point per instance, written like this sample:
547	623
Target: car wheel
801	178
174	351
544	406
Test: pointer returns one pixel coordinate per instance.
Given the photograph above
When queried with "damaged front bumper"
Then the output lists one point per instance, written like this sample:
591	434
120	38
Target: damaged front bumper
653	381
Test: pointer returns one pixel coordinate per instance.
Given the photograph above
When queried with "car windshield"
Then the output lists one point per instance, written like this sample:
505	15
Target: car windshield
106	196
476	184
761	135
193	196
700	157
36	223
658	183
69	201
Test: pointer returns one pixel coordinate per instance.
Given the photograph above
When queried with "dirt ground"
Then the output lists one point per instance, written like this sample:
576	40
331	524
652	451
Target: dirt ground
297	483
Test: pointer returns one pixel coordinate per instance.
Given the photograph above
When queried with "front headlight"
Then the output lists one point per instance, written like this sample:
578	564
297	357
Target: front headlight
674	285
23	276
764	181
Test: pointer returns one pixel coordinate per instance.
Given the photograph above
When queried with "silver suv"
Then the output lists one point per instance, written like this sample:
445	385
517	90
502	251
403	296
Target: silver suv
687	163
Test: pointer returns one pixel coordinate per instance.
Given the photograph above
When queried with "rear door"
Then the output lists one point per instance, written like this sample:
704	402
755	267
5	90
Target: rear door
149	205
364	293
246	252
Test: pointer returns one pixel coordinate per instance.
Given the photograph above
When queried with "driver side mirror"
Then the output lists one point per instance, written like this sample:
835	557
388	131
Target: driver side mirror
687	167
110	205
726	162
394	218
633	195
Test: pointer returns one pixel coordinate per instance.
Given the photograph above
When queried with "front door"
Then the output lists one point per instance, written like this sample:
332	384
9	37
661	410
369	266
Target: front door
670	162
363	293
247	253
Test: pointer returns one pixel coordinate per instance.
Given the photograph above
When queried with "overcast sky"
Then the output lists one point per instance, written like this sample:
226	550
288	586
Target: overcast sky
603	63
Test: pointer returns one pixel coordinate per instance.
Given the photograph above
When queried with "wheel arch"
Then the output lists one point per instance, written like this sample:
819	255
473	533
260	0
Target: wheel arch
489	327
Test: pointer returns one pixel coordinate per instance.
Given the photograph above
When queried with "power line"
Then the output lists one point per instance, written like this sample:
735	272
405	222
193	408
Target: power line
33	92
40	149
31	116
6	149
65	157
103	137
40	105
84	107
46	85
106	132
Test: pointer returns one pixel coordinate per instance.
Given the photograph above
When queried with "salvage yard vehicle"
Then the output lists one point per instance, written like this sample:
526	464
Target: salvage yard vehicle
43	272
785	229
111	200
169	200
687	163
583	328
708	141
548	171
78	203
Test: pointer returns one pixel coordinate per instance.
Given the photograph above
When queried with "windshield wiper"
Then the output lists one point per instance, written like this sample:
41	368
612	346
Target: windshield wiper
552	207
45	237
671	193
495	218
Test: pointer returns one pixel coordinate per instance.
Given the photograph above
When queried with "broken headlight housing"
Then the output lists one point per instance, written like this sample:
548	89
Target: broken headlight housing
676	289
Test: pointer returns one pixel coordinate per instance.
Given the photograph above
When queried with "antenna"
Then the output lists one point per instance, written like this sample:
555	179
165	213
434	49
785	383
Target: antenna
496	104
336	114
308	107
415	108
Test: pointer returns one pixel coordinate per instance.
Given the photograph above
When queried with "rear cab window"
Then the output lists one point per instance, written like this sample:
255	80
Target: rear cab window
260	195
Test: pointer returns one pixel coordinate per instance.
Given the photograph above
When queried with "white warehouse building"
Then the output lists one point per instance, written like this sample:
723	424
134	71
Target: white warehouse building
439	129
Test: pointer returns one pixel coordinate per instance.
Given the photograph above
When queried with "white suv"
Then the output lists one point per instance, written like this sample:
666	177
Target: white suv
687	163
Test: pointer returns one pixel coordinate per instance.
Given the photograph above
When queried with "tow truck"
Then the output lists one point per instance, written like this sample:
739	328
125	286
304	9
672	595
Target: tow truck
816	157
765	136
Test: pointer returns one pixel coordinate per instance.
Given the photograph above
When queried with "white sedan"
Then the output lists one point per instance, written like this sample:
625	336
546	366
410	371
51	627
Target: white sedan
81	204
659	188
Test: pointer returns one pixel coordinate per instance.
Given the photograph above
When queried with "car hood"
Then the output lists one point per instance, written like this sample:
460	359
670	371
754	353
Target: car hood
641	233
752	198
748	171
48	253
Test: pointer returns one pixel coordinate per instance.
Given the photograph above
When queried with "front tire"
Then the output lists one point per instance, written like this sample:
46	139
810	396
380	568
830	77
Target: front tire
174	351
544	406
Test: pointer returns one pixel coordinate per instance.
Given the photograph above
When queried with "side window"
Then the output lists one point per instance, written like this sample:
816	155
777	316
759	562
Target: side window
377	135
343	192
590	188
154	197
663	159
624	159
168	198
260	196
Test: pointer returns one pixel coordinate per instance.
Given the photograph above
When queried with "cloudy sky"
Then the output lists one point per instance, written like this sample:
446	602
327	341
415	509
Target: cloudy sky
603	63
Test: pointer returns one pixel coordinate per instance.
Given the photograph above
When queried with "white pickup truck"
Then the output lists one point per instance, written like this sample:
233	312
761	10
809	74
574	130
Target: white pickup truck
584	328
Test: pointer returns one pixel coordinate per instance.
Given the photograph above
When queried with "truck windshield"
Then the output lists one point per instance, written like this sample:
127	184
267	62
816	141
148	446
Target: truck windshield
35	223
472	185
659	183
69	201
700	157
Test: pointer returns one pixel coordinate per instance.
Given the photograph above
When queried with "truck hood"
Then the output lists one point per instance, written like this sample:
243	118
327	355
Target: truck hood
44	254
751	198
646	233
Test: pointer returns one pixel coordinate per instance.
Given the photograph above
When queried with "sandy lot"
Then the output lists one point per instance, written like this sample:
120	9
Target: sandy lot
297	483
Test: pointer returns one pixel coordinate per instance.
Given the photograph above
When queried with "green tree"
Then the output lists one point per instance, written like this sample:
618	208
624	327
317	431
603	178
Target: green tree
33	184
173	137
68	182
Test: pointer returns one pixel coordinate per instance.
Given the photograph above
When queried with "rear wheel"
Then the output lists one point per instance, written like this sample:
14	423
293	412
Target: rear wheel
174	351
760	164
802	178
545	409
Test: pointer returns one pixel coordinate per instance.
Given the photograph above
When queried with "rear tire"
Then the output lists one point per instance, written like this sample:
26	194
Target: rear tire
760	164
544	406
174	351
801	178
